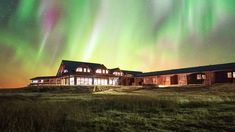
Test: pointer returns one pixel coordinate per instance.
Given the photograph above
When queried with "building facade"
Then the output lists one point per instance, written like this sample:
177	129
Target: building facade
74	73
202	75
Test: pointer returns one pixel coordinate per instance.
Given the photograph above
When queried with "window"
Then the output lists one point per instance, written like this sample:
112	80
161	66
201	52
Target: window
103	72
204	77
90	81
117	73
88	70
34	81
103	81
98	71
199	76
229	74
82	81
86	81
107	71
95	81
110	82
84	69
79	69
71	80
78	81
65	71
63	81
233	74
100	81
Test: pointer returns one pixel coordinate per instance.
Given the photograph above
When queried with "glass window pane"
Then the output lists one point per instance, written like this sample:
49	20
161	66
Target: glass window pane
229	74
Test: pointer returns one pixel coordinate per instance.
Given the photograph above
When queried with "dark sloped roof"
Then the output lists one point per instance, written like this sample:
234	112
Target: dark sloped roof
43	77
114	69
71	66
134	73
216	67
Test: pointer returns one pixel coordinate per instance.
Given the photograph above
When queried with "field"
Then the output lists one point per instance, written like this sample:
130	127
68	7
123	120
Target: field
120	109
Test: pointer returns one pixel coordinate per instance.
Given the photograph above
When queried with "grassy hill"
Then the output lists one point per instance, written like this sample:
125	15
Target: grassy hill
191	108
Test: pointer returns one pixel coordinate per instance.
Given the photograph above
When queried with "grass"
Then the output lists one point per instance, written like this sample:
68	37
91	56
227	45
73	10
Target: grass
172	109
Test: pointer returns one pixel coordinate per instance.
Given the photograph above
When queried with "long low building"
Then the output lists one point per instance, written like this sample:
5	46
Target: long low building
203	75
72	73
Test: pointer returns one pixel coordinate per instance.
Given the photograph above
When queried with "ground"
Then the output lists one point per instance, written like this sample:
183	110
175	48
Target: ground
120	109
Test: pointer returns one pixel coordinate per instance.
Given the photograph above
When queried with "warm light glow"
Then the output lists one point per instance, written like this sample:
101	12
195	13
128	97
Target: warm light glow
98	71
229	75
71	81
113	81
79	69
199	76
34	81
84	81
117	73
100	81
65	71
204	77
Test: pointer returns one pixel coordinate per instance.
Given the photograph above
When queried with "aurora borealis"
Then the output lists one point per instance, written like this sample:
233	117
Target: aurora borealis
147	35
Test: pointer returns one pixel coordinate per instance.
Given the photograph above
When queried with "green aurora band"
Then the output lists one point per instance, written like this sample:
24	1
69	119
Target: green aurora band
146	35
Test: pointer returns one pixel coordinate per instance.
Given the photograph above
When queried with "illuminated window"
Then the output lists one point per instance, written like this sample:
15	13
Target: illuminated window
79	69
118	73
34	81
100	81
65	71
229	74
88	70
86	81
233	74
98	71
42	81
90	81
78	81
84	69
82	81
204	77
107	71
71	80
110	82
103	72
95	81
199	76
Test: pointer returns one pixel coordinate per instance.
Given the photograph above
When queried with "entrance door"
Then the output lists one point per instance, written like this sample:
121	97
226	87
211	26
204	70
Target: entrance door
174	80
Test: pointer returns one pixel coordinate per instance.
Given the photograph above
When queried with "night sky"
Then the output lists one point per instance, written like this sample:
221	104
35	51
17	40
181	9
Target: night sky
147	35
